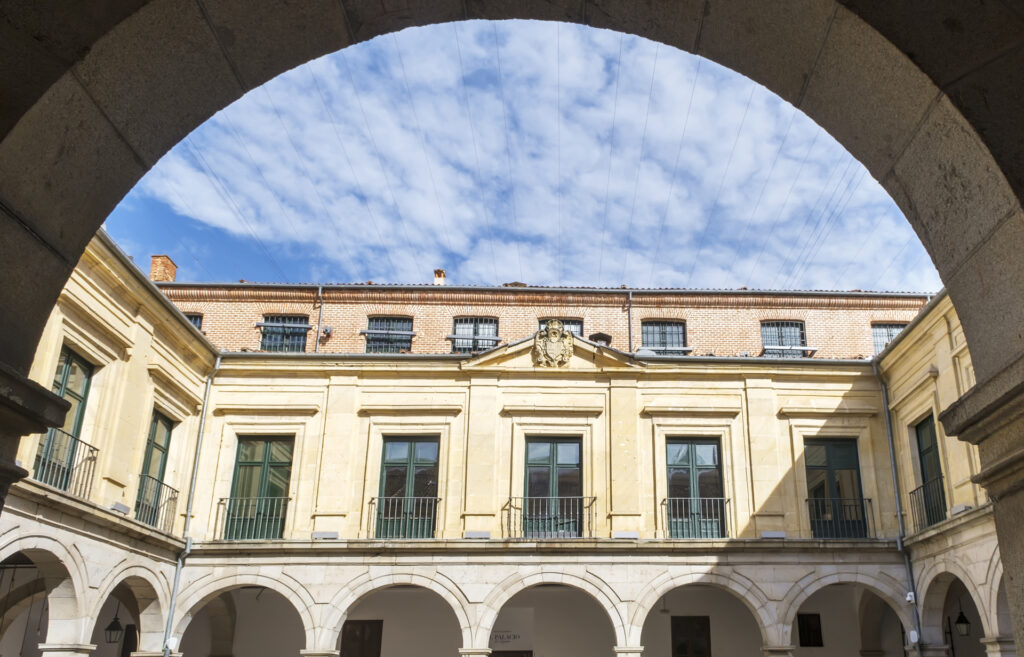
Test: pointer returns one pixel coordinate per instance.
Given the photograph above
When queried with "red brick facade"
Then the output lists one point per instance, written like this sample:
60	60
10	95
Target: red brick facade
717	323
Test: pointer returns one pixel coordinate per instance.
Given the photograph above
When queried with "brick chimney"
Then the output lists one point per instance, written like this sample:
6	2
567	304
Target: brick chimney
438	277
162	269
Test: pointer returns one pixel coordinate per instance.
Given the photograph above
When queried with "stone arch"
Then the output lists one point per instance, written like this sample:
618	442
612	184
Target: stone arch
807	586
871	613
933	591
197	596
131	91
64	579
17	600
752	597
355	591
487	612
150	600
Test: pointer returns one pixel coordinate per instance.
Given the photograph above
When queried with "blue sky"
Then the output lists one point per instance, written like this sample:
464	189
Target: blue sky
546	153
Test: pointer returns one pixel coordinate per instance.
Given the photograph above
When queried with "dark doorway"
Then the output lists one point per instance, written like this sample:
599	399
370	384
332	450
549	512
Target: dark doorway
691	636
361	638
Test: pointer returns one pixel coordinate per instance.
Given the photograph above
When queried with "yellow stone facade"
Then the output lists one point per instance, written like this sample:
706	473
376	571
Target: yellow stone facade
768	563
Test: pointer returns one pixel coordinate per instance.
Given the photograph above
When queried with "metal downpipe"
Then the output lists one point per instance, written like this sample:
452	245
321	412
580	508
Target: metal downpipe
188	511
899	504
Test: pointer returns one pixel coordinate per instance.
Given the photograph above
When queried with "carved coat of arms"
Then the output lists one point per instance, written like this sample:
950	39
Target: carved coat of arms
552	347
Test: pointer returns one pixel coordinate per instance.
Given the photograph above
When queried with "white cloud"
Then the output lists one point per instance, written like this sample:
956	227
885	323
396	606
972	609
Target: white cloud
391	158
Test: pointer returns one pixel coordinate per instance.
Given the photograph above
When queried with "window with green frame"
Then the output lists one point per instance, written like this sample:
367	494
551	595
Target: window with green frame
259	489
55	456
695	504
152	494
834	499
553	504
407	506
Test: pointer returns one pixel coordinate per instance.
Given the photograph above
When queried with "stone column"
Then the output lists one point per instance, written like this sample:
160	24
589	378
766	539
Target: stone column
66	649
25	408
778	651
474	652
628	651
319	653
991	416
934	650
999	646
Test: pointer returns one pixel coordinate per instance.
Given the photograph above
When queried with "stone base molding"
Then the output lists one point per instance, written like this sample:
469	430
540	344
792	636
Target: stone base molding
934	650
150	653
778	651
66	649
999	646
321	653
472	652
629	651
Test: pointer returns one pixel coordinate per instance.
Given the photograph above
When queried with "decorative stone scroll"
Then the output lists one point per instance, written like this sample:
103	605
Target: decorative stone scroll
552	346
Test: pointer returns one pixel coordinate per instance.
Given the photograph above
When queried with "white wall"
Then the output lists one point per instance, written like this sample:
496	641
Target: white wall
416	622
734	632
566	623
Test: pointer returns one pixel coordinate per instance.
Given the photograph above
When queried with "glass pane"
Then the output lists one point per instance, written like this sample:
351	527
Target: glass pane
568	453
487	328
78	377
679	482
847	486
815	455
843	454
817	484
250	450
396	450
538	452
281	451
425	482
570	483
394	481
162	433
58	377
155	465
72	416
706	454
463	328
426	451
678	453
277	481
247	481
709	483
538	481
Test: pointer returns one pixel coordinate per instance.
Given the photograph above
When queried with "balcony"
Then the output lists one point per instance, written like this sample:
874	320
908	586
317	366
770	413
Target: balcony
549	517
252	518
928	504
695	517
840	518
156	503
65	463
404	517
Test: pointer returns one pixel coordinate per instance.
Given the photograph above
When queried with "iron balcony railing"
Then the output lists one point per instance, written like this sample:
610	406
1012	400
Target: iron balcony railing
66	463
253	518
156	503
695	517
928	504
840	517
549	517
404	517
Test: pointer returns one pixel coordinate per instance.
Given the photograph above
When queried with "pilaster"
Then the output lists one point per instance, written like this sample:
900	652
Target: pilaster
66	649
629	651
320	653
999	646
934	650
778	651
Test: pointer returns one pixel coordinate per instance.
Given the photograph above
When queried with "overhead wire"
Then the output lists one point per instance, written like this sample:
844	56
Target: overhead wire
640	162
355	175
225	195
721	185
508	148
423	144
672	180
402	223
895	258
476	150
611	146
301	163
861	245
799	241
782	208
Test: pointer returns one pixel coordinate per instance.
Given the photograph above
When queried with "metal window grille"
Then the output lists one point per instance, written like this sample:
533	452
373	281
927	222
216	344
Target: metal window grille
783	334
574	326
389	335
284	332
883	334
474	334
668	338
195	319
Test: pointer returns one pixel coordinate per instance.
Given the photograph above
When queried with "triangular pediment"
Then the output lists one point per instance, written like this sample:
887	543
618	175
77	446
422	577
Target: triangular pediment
519	356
